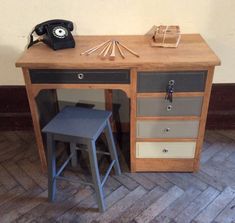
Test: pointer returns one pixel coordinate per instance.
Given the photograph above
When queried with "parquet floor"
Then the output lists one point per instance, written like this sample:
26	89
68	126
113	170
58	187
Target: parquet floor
206	196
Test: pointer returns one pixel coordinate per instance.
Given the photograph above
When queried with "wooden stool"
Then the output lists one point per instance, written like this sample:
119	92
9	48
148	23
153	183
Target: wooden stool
80	126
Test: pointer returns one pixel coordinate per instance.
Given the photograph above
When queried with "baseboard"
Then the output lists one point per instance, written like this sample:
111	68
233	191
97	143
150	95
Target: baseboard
221	114
15	112
14	109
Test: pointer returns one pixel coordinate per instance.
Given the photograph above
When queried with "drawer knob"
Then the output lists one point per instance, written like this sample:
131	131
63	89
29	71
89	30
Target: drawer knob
80	76
169	107
165	150
167	130
171	82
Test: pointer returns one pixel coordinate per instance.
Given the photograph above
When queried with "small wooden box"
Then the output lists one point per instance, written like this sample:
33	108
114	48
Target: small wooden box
166	36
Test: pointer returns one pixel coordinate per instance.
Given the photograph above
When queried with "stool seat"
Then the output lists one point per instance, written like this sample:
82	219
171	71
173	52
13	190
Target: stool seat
78	122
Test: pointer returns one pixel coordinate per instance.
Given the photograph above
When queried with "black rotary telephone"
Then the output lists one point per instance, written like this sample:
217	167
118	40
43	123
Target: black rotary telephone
56	34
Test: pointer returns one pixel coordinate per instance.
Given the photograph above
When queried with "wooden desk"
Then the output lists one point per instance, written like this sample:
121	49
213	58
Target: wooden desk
164	136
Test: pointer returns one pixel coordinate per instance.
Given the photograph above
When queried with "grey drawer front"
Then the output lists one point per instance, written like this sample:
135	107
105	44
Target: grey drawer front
181	106
166	129
192	81
80	76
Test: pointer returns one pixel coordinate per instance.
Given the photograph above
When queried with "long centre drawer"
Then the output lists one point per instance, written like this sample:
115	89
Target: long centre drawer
166	129
56	76
165	149
181	106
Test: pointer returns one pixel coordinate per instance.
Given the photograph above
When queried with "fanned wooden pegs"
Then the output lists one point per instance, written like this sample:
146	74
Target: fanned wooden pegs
108	50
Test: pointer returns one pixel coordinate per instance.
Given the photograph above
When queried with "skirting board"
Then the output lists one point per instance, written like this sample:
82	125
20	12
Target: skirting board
15	112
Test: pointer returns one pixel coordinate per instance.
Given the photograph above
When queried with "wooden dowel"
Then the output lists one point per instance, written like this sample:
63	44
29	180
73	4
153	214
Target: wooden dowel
107	49
93	49
131	51
112	55
107	44
98	47
119	49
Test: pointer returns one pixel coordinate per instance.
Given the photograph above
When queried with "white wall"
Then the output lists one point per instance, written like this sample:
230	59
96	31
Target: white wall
214	19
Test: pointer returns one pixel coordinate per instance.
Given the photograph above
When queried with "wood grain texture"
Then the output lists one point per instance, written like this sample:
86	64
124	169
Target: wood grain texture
206	196
202	125
140	205
191	50
133	120
172	165
227	215
157	207
178	205
211	211
35	118
122	205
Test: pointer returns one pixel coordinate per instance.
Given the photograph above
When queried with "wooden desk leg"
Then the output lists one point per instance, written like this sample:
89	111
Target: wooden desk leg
203	119
133	120
35	118
109	105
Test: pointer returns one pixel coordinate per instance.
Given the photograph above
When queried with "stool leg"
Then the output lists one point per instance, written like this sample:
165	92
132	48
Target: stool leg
96	175
112	148
51	157
74	160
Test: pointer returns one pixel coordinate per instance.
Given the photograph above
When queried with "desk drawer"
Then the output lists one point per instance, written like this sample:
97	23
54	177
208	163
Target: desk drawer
165	149
181	106
80	76
166	129
190	81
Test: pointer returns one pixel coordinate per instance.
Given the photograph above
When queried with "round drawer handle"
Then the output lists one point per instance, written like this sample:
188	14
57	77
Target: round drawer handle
171	82
80	76
169	107
167	130
165	150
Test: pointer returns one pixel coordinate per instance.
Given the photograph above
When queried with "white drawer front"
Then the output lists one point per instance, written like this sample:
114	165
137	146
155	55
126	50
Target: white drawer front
165	149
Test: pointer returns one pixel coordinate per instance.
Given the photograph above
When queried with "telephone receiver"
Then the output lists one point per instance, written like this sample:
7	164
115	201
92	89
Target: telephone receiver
56	34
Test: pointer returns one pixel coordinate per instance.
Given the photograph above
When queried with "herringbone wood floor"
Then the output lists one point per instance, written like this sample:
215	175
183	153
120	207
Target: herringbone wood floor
206	196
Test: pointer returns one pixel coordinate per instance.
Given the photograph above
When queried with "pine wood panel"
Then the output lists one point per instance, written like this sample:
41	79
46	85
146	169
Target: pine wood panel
171	165
202	125
191	50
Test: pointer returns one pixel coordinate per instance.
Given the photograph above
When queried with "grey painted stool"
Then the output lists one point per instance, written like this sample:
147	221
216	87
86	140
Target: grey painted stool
80	126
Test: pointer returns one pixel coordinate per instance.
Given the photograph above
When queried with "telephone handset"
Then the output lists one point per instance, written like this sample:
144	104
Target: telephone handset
56	34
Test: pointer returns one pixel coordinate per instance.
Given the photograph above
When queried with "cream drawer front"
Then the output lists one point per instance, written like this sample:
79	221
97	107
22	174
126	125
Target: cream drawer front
166	129
181	106
165	149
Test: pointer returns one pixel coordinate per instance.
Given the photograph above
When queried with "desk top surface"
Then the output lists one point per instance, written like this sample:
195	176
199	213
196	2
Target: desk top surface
192	51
